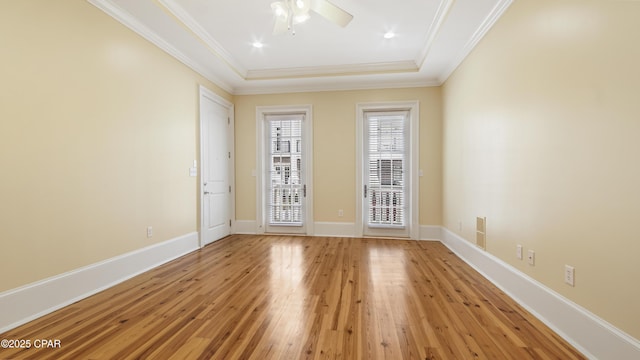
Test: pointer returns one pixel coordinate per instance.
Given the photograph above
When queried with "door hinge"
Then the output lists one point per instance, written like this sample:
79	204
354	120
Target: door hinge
228	121
365	191
304	190
229	188
229	222
229	154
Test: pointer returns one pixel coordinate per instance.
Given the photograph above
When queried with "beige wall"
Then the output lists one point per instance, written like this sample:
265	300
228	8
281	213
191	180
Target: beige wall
334	135
98	129
541	128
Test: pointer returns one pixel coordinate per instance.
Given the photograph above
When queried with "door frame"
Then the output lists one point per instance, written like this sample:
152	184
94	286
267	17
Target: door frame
206	93
261	163
413	107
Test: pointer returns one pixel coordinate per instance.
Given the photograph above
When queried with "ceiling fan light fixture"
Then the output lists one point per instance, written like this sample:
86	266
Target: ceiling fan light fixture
280	9
299	19
389	35
292	12
300	6
300	10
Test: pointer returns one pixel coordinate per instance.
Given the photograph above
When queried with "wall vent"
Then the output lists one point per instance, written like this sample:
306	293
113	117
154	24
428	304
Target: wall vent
481	232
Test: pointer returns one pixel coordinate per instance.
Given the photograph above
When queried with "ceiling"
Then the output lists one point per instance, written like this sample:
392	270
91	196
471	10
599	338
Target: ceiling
215	38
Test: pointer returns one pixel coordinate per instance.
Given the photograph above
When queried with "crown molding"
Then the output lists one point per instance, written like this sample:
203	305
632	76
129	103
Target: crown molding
339	70
351	85
183	18
441	14
126	19
253	81
190	24
486	25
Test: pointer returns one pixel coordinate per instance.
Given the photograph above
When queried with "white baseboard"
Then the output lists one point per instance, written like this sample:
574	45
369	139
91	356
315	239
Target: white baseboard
431	232
244	227
592	336
334	229
32	301
338	229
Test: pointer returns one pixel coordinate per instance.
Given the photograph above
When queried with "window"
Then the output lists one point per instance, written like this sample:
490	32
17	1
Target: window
286	188
387	153
284	169
387	158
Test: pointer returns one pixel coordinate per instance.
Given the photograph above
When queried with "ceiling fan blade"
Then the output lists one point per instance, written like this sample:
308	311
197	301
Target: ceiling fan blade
281	26
331	12
281	15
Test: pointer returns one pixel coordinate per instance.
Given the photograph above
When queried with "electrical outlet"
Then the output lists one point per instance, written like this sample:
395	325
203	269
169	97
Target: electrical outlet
340	213
569	275
149	231
519	252
531	257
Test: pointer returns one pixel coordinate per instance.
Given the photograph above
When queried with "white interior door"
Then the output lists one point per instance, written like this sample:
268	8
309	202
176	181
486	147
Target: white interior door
216	158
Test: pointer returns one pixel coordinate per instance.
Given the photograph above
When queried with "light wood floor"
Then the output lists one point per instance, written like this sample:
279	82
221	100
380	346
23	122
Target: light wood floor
282	297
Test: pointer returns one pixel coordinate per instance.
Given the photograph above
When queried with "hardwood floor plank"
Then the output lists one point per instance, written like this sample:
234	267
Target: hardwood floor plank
292	297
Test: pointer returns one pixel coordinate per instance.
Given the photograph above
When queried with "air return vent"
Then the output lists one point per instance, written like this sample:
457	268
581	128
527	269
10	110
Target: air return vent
481	232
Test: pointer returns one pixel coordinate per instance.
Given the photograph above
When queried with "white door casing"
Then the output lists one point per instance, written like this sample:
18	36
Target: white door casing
265	159
216	144
386	173
408	167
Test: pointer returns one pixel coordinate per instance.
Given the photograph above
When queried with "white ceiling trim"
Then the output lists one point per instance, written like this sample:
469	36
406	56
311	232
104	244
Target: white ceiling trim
190	24
434	29
341	70
352	85
130	22
193	27
495	14
330	78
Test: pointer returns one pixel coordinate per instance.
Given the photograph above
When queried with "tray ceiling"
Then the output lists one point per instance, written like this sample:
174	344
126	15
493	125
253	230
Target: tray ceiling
217	38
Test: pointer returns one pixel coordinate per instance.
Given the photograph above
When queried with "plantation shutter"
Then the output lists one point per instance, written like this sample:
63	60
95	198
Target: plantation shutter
285	186
387	153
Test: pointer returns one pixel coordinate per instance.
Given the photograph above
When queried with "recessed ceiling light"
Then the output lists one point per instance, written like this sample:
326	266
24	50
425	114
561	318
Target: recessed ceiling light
257	44
389	35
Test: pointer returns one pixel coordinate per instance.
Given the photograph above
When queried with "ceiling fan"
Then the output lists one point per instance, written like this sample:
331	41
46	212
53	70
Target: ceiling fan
291	12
